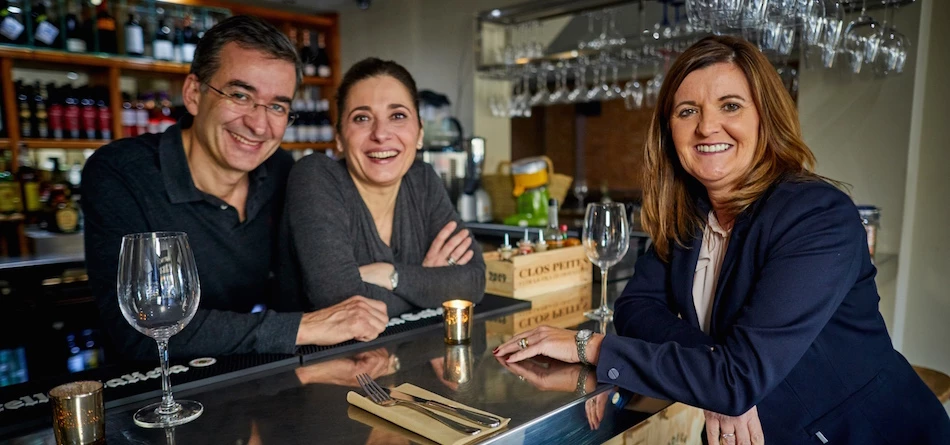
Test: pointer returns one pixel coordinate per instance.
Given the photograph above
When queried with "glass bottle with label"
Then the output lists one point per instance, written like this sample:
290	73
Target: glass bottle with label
75	33
162	46
45	26
106	29
39	113
134	37
12	29
10	200
307	56
322	59
29	185
189	41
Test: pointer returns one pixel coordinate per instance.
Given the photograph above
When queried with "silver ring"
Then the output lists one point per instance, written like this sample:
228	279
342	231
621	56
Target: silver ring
451	261
523	343
728	435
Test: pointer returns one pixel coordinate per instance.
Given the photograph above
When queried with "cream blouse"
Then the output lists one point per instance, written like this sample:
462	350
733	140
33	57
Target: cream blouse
711	253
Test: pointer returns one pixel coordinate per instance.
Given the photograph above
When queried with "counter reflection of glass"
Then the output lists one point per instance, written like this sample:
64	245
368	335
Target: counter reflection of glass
158	294
606	238
458	364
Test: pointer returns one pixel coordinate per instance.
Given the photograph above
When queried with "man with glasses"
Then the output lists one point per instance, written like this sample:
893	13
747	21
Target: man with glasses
217	175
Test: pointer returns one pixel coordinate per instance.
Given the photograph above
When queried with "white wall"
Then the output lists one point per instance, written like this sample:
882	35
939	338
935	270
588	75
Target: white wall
924	285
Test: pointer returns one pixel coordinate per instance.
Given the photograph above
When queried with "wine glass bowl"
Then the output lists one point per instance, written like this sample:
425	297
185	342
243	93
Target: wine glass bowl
606	238
158	292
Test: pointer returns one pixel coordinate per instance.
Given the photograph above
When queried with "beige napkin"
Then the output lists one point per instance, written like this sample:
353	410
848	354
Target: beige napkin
423	425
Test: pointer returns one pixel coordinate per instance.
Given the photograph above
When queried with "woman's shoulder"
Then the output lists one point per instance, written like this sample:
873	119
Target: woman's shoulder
319	169
799	198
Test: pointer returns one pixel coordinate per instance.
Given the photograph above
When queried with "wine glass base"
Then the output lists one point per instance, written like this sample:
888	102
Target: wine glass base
602	313
148	417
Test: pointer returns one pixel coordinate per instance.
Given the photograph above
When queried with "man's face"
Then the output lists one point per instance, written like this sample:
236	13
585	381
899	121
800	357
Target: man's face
239	138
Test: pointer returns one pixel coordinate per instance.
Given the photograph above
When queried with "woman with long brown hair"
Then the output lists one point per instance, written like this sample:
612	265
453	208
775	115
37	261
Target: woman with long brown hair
758	298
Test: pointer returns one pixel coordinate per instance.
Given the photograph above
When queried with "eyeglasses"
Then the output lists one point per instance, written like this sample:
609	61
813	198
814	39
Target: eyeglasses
244	103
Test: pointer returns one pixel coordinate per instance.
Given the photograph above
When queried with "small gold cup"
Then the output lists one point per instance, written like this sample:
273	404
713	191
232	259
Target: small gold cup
458	363
78	413
457	315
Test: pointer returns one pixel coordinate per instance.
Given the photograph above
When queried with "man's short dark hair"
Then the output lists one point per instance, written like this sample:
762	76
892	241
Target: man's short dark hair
248	33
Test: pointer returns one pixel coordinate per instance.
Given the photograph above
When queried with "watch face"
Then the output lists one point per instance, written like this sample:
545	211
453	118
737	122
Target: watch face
584	334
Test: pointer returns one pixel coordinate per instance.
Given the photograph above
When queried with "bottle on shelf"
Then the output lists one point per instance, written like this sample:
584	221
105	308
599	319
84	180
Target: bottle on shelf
134	37
128	116
11	23
76	38
162	48
324	125
103	114
10	200
141	115
45	26
29	181
55	111
178	39
71	113
307	56
89	113
167	118
25	110
40	115
106	29
62	213
189	41
322	59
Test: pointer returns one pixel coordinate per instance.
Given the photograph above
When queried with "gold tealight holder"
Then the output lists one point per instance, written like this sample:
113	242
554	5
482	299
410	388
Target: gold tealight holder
457	317
78	413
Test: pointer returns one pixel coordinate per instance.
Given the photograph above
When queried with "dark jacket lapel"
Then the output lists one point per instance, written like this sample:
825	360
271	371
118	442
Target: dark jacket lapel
683	265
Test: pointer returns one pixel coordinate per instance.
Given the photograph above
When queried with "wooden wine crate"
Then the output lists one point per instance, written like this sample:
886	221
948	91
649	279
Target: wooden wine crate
562	309
527	275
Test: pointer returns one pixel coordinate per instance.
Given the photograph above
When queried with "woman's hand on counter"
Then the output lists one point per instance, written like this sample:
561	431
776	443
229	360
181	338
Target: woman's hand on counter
356	318
551	342
551	375
446	247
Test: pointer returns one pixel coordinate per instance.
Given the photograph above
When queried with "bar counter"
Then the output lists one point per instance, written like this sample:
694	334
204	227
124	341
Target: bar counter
302	398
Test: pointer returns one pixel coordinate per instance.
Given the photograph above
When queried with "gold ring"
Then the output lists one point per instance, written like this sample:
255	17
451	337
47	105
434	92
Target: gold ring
523	343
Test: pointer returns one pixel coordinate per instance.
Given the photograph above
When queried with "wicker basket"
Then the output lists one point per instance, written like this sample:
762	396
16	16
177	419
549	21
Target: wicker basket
500	186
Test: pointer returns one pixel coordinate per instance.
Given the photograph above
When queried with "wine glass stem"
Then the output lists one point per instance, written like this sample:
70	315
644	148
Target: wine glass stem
603	289
168	402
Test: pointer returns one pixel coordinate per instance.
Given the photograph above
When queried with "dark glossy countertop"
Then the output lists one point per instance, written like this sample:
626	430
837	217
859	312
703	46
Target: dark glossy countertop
303	399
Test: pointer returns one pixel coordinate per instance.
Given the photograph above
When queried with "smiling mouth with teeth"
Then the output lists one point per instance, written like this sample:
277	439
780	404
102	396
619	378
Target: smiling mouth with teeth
714	148
242	139
383	154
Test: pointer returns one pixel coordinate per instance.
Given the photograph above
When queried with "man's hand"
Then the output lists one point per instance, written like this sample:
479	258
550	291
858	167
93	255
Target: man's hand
728	430
445	247
355	318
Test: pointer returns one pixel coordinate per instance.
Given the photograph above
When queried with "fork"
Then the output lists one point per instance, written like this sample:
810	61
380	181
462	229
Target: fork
382	398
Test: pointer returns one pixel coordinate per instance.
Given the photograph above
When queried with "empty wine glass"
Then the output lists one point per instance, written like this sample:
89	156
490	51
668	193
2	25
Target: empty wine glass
893	47
633	90
606	238
158	294
859	43
580	192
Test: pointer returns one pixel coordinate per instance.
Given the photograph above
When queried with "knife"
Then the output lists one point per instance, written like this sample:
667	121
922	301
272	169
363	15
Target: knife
481	419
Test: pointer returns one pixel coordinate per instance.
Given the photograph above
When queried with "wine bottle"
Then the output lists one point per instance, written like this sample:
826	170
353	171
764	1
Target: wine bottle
55	111
106	29
134	37
39	111
307	56
71	113
11	23
26	112
75	33
88	113
162	46
189	41
103	114
322	59
45	30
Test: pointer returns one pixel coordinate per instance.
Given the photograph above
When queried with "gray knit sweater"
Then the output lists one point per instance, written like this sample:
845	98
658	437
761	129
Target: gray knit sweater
327	233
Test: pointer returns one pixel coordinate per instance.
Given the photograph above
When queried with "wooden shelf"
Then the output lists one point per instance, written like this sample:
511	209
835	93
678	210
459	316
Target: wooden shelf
66	144
4	143
75	60
306	145
319	81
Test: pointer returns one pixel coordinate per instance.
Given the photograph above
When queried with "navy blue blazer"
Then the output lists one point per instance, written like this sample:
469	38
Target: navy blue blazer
795	330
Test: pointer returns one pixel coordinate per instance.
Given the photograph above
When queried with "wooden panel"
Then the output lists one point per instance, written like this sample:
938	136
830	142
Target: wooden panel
9	109
527	135
559	135
306	145
66	144
318	81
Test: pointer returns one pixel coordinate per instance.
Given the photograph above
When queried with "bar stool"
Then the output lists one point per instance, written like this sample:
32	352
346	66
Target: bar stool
937	381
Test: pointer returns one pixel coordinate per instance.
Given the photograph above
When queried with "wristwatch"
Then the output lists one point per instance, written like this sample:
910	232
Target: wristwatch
394	278
582	337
